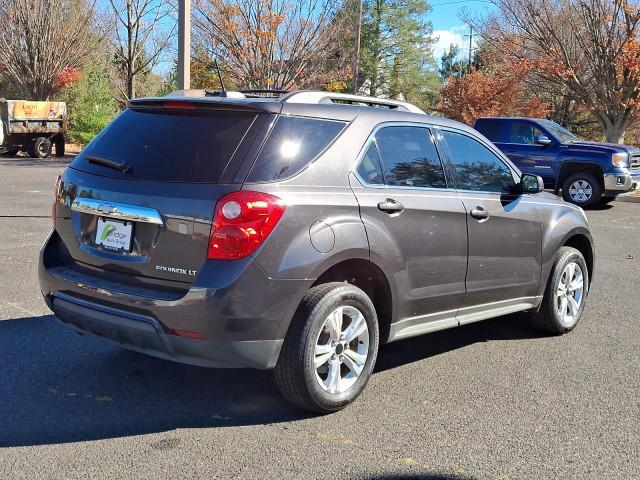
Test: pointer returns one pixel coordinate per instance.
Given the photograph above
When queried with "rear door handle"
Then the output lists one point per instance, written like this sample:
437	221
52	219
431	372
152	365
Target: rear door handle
479	213
391	206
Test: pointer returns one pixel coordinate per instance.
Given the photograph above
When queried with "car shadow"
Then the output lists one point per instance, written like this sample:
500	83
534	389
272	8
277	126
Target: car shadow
59	387
510	327
425	475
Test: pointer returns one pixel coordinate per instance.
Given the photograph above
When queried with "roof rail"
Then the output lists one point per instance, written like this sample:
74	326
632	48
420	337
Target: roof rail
331	97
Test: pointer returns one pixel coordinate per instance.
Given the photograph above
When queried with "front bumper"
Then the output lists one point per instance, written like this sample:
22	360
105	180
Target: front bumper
617	183
241	314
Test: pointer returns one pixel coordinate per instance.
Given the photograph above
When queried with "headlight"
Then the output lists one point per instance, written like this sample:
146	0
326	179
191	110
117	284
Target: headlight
620	160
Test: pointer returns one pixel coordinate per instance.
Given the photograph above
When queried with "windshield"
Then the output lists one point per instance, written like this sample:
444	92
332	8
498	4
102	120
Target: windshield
559	132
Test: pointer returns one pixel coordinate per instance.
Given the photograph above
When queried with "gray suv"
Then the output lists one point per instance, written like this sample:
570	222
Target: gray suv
301	232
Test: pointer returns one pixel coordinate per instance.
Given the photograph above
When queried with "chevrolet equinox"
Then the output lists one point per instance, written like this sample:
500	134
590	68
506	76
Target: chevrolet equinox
299	233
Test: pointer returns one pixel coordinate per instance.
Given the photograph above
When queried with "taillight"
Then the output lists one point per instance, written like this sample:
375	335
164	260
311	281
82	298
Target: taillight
241	223
179	105
54	208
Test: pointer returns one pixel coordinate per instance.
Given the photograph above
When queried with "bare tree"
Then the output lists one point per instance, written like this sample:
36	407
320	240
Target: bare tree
270	43
141	33
41	39
586	48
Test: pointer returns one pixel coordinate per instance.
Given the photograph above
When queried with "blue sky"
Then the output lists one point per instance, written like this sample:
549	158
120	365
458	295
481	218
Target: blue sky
449	28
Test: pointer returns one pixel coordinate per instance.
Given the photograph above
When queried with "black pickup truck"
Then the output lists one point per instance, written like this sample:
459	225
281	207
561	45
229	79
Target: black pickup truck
587	172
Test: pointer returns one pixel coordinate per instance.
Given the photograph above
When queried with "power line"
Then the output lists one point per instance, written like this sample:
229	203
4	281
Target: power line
458	1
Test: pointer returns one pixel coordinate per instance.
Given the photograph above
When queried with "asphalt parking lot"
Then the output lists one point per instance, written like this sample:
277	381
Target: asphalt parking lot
494	400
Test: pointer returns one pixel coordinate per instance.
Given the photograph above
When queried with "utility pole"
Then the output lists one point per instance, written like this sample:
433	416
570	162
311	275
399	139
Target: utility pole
471	35
356	56
184	44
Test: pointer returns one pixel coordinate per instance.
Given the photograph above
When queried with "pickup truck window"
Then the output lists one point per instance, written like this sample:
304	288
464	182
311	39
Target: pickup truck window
559	132
409	158
492	129
477	167
524	133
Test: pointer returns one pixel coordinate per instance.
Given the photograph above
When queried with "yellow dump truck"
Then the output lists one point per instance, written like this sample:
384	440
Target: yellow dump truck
32	127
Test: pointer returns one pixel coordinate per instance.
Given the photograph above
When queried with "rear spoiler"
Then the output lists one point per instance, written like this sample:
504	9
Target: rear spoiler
182	102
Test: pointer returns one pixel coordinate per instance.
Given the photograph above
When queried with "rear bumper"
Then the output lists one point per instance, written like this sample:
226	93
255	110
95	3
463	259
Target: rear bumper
145	335
241	314
618	183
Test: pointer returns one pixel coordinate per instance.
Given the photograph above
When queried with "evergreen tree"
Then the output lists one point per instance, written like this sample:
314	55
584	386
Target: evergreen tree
451	65
397	55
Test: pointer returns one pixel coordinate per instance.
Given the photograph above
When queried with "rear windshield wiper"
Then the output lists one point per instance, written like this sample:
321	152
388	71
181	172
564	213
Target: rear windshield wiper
105	162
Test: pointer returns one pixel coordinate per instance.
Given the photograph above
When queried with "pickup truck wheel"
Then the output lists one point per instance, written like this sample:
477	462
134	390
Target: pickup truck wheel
40	148
330	350
566	293
582	188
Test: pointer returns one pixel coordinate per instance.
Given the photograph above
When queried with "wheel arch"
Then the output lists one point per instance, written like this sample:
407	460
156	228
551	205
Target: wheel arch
576	236
581	242
369	277
570	166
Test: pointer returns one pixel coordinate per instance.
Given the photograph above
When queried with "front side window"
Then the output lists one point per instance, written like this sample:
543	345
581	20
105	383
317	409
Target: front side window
292	145
477	167
524	133
409	157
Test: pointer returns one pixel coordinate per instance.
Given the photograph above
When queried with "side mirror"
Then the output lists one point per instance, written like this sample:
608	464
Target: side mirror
543	140
531	183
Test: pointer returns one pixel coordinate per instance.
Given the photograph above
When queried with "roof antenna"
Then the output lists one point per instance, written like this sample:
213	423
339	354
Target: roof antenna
224	90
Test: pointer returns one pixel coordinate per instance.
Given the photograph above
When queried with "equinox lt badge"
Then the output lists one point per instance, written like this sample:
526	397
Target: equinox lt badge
182	271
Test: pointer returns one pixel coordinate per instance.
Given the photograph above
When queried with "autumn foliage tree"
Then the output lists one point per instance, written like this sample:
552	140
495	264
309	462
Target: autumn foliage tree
484	94
275	44
43	43
586	48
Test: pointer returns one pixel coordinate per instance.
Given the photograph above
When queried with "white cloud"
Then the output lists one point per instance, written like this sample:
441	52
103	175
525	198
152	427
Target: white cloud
452	36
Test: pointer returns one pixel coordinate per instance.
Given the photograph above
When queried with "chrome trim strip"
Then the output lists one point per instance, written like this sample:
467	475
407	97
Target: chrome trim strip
414	326
496	309
117	210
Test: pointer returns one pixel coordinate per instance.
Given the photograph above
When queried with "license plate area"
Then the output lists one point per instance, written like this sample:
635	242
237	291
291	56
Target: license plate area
114	235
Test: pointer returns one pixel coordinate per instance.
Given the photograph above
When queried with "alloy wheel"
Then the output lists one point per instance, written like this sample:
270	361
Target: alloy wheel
341	349
570	293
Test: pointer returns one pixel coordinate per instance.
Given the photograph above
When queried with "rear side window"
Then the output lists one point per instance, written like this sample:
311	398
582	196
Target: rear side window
491	129
477	167
409	157
292	145
180	146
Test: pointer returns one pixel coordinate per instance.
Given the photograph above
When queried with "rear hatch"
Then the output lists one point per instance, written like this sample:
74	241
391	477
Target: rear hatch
138	202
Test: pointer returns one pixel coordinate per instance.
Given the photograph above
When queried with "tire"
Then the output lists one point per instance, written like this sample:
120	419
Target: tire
309	339
582	189
40	148
549	316
60	145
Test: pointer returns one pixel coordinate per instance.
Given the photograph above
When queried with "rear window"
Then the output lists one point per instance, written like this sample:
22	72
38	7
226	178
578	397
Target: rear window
293	144
178	146
491	129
